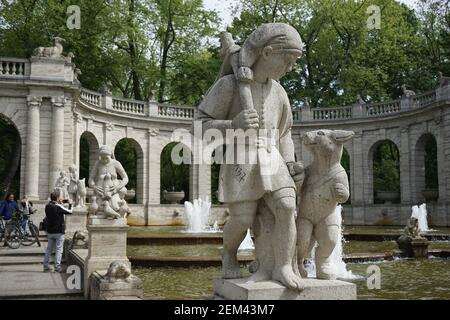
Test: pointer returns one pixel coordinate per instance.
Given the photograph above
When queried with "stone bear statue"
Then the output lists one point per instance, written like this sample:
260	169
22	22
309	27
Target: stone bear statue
325	185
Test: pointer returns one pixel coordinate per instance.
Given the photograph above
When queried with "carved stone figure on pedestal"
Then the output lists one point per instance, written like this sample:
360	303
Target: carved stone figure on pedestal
248	96
407	93
325	185
119	271
109	190
62	184
411	243
76	188
73	183
53	52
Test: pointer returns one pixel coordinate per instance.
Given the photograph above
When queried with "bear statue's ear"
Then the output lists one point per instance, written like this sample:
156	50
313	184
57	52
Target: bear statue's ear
342	136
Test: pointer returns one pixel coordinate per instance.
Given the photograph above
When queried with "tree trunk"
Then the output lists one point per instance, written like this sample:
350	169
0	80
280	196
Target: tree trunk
133	52
169	38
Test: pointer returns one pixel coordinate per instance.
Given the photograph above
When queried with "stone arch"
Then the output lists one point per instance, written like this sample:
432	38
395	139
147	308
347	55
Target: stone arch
130	154
173	176
11	162
425	171
384	171
88	154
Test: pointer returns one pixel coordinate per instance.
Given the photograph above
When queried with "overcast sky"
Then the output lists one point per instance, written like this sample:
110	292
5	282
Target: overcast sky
224	8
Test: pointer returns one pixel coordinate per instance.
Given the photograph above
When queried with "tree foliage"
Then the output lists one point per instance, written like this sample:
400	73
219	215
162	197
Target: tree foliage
386	167
10	151
174	177
342	57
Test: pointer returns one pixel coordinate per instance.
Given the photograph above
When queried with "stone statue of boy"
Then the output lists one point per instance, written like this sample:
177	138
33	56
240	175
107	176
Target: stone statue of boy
248	96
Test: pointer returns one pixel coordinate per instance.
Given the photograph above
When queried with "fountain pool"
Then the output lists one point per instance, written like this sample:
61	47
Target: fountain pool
400	279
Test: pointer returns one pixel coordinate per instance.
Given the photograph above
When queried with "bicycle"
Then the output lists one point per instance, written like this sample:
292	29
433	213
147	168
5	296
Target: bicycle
11	234
28	238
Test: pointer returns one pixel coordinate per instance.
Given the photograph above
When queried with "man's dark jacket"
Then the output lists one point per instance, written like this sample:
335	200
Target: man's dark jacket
54	214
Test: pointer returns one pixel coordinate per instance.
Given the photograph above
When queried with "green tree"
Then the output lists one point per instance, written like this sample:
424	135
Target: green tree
174	177
342	57
10	152
125	153
386	167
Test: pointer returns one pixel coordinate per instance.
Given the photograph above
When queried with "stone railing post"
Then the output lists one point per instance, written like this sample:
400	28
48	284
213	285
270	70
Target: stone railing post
107	101
357	110
32	147
443	93
406	103
306	113
152	108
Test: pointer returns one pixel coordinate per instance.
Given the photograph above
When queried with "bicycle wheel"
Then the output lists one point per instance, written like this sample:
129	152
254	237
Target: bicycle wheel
29	238
34	232
13	236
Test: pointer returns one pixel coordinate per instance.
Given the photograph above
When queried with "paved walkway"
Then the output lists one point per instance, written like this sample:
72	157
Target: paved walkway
22	276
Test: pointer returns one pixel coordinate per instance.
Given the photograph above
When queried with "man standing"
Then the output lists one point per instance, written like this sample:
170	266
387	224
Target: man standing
54	214
27	209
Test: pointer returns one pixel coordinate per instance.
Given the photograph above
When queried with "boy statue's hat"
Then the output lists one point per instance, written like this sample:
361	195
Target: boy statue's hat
279	36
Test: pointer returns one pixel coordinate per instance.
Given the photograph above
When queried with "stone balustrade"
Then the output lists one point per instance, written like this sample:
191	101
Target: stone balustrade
172	111
159	110
136	107
91	97
424	99
382	108
129	106
14	68
323	114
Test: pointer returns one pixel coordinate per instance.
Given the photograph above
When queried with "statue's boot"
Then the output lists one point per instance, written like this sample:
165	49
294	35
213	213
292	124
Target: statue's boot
324	269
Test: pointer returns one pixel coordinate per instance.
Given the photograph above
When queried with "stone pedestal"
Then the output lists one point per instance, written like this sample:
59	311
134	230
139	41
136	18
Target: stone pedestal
413	248
107	243
77	221
240	289
103	289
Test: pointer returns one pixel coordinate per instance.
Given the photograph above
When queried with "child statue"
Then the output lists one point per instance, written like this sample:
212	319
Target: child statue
109	190
247	96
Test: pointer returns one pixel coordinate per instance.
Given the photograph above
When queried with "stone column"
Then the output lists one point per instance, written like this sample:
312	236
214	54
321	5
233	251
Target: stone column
357	177
405	167
78	119
153	169
57	140
199	170
199	181
32	148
